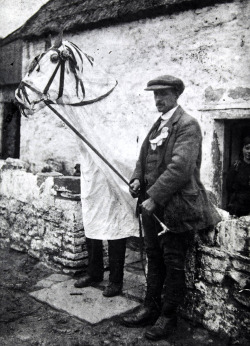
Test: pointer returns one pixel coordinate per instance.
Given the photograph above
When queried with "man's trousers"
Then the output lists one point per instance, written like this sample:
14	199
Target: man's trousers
166	256
116	252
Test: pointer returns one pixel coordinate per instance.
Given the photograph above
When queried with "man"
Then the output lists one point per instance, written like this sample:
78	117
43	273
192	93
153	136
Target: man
167	177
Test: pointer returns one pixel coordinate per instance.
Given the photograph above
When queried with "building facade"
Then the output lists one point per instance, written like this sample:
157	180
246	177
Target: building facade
206	45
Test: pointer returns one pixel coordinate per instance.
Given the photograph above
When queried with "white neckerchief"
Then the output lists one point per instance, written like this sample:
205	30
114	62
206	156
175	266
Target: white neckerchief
164	130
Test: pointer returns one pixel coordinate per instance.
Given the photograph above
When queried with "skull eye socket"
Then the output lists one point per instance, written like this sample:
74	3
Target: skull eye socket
54	57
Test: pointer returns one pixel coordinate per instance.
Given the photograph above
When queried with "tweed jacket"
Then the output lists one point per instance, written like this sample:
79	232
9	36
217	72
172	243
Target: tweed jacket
178	187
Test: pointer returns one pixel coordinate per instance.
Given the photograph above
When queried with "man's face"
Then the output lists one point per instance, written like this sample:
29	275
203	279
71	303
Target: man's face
246	152
165	99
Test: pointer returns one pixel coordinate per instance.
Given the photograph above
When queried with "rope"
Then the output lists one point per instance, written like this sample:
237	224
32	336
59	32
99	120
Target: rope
46	89
86	141
61	85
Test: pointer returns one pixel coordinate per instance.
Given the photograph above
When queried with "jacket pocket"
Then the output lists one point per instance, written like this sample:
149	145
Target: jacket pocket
190	206
182	211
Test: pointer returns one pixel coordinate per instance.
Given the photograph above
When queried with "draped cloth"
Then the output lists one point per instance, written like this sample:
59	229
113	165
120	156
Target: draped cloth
107	207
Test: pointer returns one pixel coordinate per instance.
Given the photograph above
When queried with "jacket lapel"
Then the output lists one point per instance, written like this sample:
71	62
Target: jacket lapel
155	126
175	117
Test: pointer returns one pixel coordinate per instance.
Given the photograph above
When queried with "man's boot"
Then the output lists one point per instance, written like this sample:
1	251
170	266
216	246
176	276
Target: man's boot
173	296
113	289
162	329
115	285
150	311
87	281
95	264
116	249
145	315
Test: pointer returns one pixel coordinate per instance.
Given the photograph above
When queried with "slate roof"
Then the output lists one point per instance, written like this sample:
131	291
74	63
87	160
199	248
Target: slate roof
84	14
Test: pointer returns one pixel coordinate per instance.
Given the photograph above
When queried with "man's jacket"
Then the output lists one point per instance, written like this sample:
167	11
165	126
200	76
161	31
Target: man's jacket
178	187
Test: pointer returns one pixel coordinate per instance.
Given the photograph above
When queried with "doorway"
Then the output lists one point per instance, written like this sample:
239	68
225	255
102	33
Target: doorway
11	131
234	132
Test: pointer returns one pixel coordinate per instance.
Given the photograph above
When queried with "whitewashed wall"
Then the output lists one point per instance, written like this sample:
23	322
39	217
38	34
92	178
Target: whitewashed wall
207	48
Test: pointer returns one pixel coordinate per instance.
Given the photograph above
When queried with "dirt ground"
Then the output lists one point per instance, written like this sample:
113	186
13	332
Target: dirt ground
25	321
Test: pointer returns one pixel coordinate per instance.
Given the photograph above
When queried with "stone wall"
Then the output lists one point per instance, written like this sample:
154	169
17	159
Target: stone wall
219	280
41	215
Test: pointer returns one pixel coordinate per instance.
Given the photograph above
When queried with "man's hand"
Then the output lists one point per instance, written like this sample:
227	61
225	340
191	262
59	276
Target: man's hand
149	205
134	188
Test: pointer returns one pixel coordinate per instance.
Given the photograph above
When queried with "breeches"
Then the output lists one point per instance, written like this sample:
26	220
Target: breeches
116	251
166	256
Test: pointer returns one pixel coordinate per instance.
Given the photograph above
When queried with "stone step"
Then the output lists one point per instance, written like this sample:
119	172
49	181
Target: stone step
88	303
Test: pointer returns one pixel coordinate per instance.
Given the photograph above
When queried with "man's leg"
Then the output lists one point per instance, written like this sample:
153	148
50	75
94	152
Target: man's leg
151	308
174	247
156	268
95	264
116	250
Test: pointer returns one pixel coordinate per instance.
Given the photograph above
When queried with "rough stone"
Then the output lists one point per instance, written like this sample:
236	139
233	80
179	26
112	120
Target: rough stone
73	256
227	237
18	247
45	228
243	297
241	278
5	243
41	177
74	241
4	228
70	263
33	232
240	93
34	253
67	184
11	163
213	94
51	280
36	244
76	248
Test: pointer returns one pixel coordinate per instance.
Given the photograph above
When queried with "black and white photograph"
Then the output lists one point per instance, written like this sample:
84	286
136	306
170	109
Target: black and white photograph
124	173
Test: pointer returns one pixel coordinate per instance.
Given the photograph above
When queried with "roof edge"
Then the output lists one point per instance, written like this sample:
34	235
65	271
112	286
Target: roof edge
152	11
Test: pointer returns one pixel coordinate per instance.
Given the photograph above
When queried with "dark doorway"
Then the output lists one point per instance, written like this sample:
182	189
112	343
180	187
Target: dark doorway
234	132
11	131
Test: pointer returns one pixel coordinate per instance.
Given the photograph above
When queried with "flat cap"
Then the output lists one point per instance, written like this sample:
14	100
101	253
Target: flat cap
166	82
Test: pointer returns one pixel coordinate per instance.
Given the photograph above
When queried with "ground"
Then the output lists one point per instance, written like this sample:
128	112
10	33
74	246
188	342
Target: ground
25	321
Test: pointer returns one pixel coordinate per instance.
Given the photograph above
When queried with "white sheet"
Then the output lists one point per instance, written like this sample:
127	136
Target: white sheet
107	207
